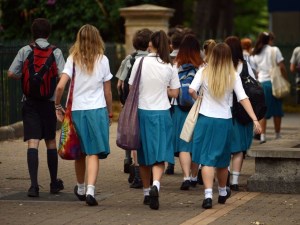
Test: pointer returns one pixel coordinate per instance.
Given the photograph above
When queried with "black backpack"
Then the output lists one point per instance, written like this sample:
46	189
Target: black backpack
124	93
256	96
39	73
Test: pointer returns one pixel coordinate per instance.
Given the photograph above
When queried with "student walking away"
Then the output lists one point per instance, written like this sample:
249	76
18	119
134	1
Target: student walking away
91	108
159	81
261	60
38	65
295	68
243	133
187	61
214	127
140	43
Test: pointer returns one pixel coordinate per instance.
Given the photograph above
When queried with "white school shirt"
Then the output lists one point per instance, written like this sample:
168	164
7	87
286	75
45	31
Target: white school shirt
220	108
156	77
88	90
262	63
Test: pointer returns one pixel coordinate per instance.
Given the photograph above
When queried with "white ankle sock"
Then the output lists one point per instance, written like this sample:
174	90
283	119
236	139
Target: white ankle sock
235	177
186	178
194	178
81	189
277	135
208	193
222	191
262	137
157	184
146	191
90	190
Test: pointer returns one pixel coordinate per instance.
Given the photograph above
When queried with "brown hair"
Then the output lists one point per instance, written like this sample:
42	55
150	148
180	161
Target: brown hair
141	39
189	52
160	42
40	28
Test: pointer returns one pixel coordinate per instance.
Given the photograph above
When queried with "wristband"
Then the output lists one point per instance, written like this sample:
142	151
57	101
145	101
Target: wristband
58	107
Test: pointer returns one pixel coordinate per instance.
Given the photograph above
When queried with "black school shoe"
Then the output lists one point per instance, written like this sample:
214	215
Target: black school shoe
185	185
56	186
170	169
222	199
33	191
146	200
207	203
80	197
234	187
153	193
91	201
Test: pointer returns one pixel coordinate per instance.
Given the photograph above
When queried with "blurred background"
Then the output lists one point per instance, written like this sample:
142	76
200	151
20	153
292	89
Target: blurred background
214	19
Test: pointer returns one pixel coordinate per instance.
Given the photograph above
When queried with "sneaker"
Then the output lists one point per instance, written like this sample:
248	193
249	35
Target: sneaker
153	193
185	185
91	201
80	197
33	191
56	186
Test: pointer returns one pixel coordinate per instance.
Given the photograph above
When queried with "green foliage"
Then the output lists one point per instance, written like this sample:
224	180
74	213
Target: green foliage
251	17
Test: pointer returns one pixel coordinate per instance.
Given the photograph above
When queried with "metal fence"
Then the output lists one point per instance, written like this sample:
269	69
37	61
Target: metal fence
10	90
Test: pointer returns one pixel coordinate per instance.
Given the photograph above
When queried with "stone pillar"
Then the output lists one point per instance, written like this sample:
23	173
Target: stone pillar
144	16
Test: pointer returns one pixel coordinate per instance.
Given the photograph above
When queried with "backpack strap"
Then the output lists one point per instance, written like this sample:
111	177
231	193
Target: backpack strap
244	72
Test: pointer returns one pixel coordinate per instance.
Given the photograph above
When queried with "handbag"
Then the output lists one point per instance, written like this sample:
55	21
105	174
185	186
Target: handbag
191	119
280	86
128	131
69	143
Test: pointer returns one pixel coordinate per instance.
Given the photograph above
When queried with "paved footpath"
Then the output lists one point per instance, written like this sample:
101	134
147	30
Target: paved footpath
119	204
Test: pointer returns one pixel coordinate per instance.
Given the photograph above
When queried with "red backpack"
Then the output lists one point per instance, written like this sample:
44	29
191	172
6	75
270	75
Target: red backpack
39	73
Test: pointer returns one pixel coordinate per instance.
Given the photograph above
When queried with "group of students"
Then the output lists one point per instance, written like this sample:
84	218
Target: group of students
217	136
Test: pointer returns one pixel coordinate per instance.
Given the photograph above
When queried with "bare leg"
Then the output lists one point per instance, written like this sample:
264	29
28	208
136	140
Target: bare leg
158	170
222	174
92	169
194	169
80	170
277	123
145	172
208	173
237	161
185	162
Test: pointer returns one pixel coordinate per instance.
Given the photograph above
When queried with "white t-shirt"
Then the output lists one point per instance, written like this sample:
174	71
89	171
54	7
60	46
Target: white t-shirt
217	108
156	77
262	63
88	89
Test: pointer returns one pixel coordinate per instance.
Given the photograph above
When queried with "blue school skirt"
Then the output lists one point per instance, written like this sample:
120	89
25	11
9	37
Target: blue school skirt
212	141
178	118
156	133
92	127
274	105
242	137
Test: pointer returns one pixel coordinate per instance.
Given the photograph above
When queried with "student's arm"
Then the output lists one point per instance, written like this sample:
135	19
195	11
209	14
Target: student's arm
108	99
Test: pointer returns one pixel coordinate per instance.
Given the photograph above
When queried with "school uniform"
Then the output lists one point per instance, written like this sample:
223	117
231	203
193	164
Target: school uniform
89	112
262	63
242	134
214	127
156	128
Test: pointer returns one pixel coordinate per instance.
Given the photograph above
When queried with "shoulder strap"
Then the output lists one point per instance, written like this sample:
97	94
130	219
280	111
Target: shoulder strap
244	72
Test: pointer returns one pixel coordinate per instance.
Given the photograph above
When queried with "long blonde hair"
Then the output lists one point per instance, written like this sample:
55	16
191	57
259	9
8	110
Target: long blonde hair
208	46
88	47
220	72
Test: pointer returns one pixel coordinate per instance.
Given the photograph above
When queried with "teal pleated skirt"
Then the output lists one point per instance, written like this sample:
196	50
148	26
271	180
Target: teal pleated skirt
212	141
242	137
92	127
156	133
274	105
178	118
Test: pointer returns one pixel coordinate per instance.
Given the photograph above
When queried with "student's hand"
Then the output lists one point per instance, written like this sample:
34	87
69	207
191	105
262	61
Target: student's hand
60	114
257	127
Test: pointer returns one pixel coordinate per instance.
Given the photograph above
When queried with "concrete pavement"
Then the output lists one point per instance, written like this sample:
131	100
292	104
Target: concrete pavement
119	204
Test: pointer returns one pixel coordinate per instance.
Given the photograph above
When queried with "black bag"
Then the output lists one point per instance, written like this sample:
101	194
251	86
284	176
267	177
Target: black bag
124	92
256	96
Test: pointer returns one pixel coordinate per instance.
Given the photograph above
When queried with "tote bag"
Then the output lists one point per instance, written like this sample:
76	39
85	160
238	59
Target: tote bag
128	132
69	144
280	86
191	119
